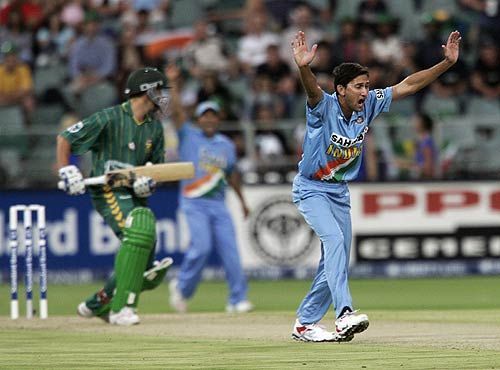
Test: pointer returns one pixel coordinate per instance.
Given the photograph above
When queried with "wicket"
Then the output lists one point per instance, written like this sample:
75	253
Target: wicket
28	211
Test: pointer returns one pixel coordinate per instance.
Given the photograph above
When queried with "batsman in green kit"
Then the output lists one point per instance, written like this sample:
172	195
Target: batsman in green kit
122	136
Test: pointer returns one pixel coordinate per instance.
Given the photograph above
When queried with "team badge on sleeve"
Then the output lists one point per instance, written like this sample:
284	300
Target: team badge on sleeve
379	94
76	127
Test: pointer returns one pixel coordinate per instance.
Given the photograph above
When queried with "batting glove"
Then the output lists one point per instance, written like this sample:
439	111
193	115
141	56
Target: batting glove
71	180
144	186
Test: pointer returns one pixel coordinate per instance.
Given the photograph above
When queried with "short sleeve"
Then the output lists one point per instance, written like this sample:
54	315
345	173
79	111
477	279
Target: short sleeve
379	100
315	116
85	133
231	158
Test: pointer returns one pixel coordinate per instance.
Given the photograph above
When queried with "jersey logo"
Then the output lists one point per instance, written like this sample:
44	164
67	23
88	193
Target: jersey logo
131	145
360	120
379	94
76	127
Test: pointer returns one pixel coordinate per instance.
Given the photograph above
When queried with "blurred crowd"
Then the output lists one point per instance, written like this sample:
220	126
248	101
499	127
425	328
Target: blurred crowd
61	60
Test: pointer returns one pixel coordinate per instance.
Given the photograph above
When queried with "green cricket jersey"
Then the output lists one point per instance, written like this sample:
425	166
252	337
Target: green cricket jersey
116	140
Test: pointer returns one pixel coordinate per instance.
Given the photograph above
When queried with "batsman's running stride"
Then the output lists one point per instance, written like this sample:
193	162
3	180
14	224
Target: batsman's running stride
336	127
121	136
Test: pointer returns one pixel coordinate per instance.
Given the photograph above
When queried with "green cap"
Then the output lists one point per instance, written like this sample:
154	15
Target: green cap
8	47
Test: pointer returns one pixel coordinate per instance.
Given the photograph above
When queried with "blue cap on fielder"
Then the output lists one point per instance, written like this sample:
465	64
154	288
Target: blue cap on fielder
206	106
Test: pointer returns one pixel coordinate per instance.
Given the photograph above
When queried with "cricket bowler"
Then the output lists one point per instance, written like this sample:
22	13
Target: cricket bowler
122	136
336	126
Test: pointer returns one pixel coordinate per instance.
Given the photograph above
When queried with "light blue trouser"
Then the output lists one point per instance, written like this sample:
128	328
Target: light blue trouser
210	225
326	208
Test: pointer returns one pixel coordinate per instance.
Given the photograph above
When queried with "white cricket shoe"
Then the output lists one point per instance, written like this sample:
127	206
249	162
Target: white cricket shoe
313	333
158	266
351	323
177	301
240	307
125	317
83	311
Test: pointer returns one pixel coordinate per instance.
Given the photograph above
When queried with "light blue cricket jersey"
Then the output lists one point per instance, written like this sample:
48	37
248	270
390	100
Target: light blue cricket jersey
213	158
333	146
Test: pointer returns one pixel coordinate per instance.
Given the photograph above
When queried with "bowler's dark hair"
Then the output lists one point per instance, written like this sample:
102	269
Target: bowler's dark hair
346	72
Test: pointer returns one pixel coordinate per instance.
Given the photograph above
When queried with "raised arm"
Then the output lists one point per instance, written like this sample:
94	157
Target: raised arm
303	57
178	115
418	80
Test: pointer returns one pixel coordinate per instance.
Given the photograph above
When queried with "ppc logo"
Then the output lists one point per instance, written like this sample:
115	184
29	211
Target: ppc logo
278	233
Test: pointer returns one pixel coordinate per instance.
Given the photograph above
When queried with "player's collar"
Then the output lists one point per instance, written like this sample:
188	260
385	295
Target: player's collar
128	109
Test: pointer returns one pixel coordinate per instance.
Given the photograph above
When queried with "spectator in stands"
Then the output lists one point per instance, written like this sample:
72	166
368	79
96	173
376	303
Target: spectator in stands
57	34
253	44
346	44
16	32
425	161
73	13
283	81
46	52
324	61
93	57
129	56
429	46
263	93
274	66
16	82
489	17
270	143
485	78
369	12
407	64
214	90
301	19
31	12
379	76
206	51
446	95
143	26
387	46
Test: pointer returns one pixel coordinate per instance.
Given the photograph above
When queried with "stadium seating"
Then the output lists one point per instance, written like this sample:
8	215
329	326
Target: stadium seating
483	107
97	97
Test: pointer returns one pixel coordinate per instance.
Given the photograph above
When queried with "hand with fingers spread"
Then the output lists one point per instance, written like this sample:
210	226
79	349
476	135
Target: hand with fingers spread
451	49
301	54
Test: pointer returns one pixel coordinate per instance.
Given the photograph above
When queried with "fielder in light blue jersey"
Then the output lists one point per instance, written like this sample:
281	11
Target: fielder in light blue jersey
336	127
202	201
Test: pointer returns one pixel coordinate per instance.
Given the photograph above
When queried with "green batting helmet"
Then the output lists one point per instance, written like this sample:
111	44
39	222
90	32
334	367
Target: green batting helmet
143	79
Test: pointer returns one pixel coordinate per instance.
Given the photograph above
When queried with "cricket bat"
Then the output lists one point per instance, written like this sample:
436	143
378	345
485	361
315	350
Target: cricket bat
162	172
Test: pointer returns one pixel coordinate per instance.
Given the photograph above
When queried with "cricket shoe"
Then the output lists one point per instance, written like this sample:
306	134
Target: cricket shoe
315	333
240	307
157	267
83	311
177	301
351	323
125	317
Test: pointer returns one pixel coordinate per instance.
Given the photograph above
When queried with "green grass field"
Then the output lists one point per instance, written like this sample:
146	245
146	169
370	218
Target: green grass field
415	324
